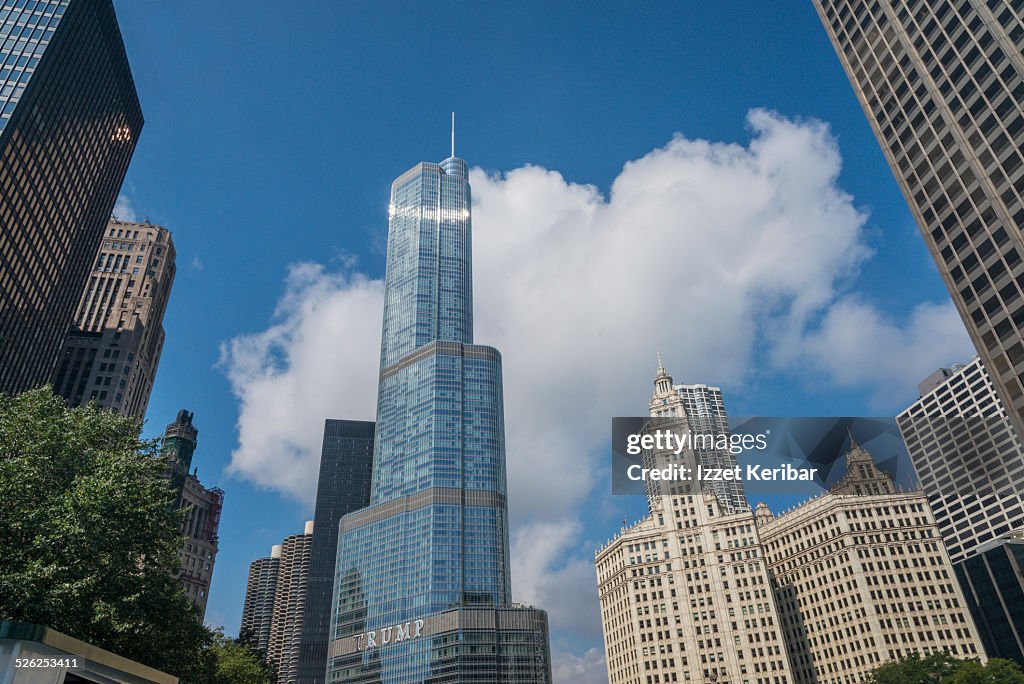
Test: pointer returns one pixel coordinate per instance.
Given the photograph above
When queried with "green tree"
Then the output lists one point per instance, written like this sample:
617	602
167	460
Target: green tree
995	671
89	539
239	663
942	668
914	669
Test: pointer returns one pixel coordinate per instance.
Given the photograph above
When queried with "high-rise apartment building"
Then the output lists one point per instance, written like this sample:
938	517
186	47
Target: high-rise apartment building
112	350
685	592
422	591
289	605
69	122
968	458
346	467
942	84
258	608
201	507
993	583
861	577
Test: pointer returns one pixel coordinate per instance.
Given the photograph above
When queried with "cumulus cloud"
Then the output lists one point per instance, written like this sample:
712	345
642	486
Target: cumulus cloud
726	257
859	348
588	668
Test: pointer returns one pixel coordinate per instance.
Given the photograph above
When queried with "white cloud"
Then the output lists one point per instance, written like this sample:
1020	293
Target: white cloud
123	208
717	254
588	668
857	347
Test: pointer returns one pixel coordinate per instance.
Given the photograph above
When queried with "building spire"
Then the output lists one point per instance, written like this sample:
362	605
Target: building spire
661	366
453	134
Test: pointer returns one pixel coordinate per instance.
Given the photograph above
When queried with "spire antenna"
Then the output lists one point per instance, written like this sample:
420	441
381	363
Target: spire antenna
453	135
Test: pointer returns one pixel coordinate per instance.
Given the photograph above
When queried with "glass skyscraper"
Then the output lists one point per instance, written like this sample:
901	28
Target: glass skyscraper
69	121
422	590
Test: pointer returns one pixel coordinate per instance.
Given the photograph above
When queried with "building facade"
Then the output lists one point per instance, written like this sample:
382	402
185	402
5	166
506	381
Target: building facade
942	84
112	350
200	506
69	122
346	469
258	608
993	583
861	577
704	410
685	592
422	591
289	605
968	458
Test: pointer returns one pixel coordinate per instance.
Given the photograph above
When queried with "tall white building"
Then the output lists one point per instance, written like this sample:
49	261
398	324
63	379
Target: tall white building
967	456
289	605
685	593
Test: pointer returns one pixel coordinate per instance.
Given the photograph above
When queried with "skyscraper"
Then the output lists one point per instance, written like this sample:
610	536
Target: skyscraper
968	458
993	583
346	467
202	508
422	590
704	410
289	605
113	348
942	84
69	122
258	608
685	593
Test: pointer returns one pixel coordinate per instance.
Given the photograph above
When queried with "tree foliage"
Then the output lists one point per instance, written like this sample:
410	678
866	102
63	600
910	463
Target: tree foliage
942	668
239	663
89	538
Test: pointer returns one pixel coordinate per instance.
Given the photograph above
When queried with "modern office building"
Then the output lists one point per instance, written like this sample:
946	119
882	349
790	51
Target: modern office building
346	467
685	592
942	84
201	506
422	590
993	584
968	457
704	410
861	577
258	608
69	122
112	350
289	605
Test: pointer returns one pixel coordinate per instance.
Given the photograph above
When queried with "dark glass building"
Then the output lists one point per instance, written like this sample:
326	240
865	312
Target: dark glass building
346	467
69	122
993	584
422	590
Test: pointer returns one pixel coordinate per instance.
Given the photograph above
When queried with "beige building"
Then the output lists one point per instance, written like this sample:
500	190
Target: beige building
112	350
289	605
685	593
942	85
862	577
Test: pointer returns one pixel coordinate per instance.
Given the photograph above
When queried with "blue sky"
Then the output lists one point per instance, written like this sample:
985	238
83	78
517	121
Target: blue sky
273	132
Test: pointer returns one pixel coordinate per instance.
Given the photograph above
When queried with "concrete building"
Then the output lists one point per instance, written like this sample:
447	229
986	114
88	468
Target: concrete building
942	84
201	506
861	577
968	458
346	471
69	122
685	592
289	605
993	583
112	350
704	410
258	608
